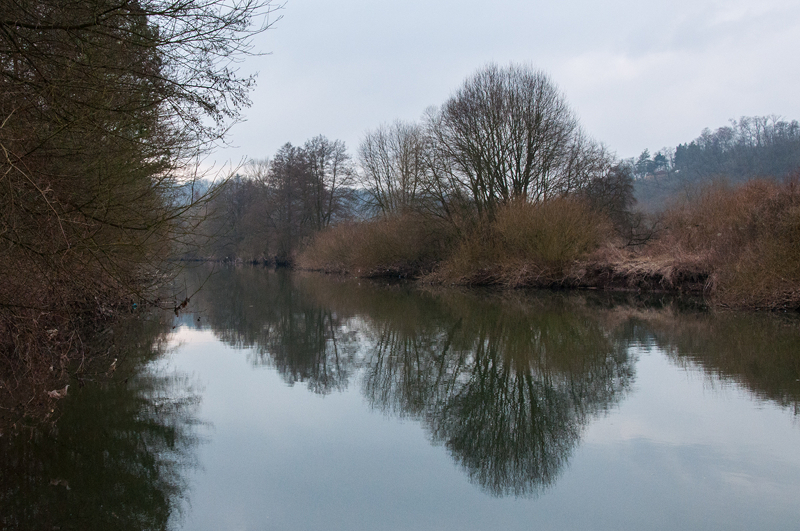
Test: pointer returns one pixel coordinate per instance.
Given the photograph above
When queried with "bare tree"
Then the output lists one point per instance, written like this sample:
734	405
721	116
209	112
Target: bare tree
237	227
332	176
267	212
508	133
393	167
289	189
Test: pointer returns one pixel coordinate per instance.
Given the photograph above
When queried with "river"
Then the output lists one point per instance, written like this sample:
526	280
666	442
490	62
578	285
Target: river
294	401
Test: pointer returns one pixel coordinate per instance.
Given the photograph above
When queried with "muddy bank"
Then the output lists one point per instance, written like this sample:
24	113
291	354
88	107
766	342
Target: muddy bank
622	276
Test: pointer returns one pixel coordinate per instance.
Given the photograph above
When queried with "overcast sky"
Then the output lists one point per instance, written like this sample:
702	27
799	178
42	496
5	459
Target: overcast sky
637	74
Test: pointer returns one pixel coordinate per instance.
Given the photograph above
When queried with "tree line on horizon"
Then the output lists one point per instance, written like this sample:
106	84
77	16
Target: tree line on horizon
751	147
506	135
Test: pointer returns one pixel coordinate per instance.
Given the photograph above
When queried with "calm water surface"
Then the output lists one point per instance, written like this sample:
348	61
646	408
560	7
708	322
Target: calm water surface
304	402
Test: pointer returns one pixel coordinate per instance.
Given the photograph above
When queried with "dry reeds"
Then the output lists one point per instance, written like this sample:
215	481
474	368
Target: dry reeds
404	244
746	238
528	244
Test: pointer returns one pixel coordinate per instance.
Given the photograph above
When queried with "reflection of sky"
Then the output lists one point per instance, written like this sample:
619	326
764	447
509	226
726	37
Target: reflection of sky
675	454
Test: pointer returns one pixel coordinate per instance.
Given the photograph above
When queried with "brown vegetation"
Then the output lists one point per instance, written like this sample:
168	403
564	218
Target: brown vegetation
738	246
746	238
401	245
525	244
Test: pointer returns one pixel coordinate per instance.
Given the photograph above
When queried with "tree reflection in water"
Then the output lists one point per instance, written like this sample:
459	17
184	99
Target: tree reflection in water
756	351
507	386
305	341
506	382
116	458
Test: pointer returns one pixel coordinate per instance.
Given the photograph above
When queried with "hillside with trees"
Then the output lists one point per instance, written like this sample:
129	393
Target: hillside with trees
749	148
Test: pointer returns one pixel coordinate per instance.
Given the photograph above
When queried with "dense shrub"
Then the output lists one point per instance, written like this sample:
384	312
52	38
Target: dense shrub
551	234
403	244
748	238
528	243
524	241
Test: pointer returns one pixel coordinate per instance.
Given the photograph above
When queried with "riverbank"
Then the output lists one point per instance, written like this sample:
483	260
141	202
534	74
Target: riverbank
48	353
632	274
738	247
626	274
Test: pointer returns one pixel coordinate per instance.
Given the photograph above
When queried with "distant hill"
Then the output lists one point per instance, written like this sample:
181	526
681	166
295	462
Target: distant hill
191	191
752	147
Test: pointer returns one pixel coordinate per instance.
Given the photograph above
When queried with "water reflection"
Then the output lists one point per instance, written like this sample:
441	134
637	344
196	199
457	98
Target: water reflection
116	458
506	382
305	341
507	387
759	352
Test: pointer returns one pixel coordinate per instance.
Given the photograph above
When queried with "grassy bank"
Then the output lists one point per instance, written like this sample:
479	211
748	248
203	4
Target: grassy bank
738	246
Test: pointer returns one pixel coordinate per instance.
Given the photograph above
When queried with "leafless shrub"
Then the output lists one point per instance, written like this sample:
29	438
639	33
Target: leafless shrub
403	244
528	243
